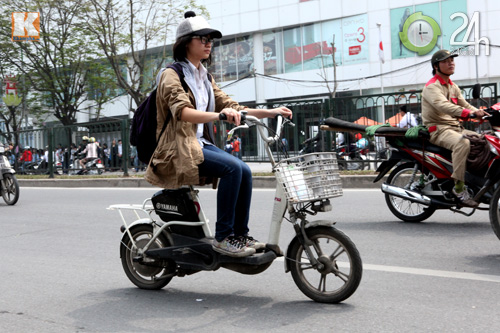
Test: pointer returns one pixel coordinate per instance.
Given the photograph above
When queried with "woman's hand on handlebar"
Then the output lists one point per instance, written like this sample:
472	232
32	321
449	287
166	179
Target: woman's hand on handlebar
284	111
231	116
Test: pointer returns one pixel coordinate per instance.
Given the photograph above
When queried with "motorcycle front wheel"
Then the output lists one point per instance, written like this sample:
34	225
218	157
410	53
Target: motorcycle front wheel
10	189
406	210
339	271
149	274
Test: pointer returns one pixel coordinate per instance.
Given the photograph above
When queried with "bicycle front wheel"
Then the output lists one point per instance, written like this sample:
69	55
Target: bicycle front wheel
338	272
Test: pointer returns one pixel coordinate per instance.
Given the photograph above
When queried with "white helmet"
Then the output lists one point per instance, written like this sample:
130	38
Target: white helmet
85	138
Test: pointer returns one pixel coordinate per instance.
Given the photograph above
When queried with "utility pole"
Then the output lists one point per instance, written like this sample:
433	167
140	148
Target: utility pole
334	68
381	114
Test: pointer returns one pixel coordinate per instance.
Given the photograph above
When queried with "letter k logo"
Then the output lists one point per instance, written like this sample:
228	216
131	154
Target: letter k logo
25	26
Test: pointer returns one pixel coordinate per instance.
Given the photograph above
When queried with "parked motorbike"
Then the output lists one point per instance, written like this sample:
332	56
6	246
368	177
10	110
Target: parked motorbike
41	167
311	145
323	261
349	157
352	158
419	181
8	182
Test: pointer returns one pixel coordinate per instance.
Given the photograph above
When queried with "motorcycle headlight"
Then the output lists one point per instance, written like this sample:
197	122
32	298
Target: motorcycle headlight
6	162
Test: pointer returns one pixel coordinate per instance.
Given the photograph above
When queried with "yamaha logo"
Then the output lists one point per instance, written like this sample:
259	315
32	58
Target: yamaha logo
167	207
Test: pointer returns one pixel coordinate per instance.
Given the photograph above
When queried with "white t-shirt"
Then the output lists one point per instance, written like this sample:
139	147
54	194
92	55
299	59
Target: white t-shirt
91	150
408	121
202	103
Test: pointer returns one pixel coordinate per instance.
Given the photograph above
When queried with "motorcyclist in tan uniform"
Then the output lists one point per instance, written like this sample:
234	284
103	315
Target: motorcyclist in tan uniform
442	107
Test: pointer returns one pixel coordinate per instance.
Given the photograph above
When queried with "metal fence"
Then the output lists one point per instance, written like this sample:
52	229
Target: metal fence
307	115
62	142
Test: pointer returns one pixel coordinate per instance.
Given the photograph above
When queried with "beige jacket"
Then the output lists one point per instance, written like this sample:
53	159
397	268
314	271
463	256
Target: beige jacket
443	103
178	154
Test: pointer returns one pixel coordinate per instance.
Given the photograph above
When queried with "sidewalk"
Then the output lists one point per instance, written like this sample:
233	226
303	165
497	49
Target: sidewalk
354	181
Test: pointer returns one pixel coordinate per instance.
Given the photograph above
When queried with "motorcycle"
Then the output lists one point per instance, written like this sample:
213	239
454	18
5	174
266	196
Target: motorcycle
349	157
9	186
324	263
419	181
311	145
352	158
92	167
41	167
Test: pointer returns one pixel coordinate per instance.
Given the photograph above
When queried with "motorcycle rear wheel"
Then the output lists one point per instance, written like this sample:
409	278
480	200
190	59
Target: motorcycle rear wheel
10	189
150	274
342	268
495	212
406	210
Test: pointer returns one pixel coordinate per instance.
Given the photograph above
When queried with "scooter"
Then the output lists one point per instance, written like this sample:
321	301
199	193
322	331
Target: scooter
92	167
352	158
40	167
9	186
311	145
324	263
419	181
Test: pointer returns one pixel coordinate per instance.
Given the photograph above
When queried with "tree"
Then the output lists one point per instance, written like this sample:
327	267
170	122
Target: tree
11	117
101	85
324	74
57	67
126	29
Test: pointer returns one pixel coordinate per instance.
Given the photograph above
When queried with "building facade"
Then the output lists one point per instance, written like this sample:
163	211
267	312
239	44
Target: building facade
278	50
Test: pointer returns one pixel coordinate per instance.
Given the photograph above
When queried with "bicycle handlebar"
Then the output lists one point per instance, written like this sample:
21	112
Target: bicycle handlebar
248	121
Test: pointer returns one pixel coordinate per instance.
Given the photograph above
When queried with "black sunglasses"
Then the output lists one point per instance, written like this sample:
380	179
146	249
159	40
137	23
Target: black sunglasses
204	39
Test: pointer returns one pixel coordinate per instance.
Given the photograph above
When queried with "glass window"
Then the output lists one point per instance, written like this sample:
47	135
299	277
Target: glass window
329	30
273	55
229	60
292	47
154	63
314	49
215	68
244	51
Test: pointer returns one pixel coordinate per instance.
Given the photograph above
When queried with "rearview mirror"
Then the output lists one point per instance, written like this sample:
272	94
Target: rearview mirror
476	91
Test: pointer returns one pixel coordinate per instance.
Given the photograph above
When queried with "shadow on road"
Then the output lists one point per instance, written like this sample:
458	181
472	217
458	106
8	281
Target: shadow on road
183	311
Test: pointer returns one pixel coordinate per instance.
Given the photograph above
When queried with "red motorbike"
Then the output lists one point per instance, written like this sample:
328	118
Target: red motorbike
419	180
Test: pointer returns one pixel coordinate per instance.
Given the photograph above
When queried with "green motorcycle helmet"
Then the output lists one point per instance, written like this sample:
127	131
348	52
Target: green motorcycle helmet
439	56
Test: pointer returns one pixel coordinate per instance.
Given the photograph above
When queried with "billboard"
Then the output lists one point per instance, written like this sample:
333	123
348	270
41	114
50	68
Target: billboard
418	30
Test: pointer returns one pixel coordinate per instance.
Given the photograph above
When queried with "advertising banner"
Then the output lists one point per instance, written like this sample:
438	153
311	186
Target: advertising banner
355	39
423	29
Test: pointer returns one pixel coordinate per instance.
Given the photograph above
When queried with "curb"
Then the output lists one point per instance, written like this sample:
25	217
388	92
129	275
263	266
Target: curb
361	181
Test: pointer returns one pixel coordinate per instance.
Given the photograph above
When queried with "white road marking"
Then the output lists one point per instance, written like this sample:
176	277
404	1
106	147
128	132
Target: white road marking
369	267
433	272
425	272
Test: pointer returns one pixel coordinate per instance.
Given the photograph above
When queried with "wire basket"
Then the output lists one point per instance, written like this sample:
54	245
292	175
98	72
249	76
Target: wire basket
309	177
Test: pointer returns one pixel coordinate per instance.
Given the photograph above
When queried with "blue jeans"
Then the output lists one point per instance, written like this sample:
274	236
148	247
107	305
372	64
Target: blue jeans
234	194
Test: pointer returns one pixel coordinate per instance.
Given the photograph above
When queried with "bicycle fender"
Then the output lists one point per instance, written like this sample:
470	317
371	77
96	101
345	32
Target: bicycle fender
133	224
313	224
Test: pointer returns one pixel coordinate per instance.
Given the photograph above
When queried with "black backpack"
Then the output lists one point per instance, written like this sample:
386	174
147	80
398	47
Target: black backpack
143	130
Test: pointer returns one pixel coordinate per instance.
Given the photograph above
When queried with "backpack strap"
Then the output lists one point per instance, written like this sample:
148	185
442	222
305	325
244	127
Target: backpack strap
178	69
